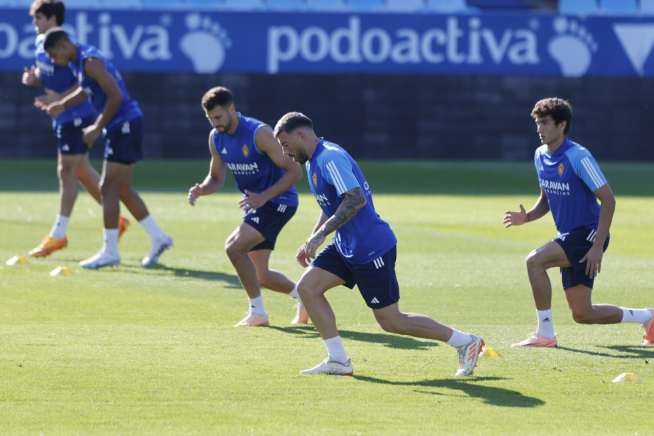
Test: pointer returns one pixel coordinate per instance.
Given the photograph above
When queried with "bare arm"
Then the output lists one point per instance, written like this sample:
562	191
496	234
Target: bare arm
302	255
353	201
607	209
214	180
96	70
51	96
266	143
517	218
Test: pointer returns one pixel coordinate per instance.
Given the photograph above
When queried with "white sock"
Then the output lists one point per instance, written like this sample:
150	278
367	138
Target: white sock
153	229
60	226
335	349
295	295
256	305
110	245
545	324
459	339
638	316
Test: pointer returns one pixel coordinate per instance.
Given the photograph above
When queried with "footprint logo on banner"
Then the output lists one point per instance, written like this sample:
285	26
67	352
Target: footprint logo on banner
205	44
572	48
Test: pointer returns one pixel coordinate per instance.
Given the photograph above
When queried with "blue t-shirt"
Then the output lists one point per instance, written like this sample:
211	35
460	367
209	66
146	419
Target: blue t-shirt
569	177
252	169
332	171
128	110
59	79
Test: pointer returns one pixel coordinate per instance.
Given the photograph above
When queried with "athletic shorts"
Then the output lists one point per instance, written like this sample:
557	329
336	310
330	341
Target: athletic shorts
124	144
576	244
376	279
269	220
69	135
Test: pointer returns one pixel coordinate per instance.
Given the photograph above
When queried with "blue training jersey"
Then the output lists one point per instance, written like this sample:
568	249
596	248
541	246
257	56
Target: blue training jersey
332	171
128	110
252	169
59	79
569	177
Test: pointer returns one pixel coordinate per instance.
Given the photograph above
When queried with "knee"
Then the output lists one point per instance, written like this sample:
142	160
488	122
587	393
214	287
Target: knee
582	316
305	290
233	250
533	262
66	173
264	278
388	325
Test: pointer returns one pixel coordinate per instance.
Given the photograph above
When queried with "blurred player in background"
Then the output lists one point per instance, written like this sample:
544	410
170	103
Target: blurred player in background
363	251
571	183
122	121
72	152
266	178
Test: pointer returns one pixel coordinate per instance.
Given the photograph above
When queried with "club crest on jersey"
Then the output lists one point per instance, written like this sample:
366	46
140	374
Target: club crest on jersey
561	169
315	179
246	150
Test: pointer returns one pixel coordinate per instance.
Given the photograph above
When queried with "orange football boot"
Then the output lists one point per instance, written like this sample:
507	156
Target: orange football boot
123	225
48	245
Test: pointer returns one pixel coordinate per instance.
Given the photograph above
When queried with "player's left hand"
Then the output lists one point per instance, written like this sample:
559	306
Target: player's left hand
593	261
302	256
91	133
54	109
46	99
252	202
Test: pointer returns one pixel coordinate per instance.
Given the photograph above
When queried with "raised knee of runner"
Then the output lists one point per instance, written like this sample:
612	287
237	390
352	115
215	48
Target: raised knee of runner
533	262
66	172
233	249
306	290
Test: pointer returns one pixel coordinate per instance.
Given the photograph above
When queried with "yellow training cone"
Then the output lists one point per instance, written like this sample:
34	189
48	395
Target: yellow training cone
628	377
17	260
60	270
489	352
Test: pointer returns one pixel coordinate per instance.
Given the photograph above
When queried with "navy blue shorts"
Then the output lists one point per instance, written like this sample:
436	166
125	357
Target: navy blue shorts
69	136
269	220
576	244
376	279
124	144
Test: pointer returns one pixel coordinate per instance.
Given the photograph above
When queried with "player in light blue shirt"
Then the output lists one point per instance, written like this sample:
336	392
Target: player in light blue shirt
571	182
362	253
73	164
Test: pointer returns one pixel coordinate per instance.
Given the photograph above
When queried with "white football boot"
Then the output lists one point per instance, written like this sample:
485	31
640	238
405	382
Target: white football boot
468	355
328	366
157	249
101	260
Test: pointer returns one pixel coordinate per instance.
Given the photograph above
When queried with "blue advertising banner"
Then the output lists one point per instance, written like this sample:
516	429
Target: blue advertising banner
177	41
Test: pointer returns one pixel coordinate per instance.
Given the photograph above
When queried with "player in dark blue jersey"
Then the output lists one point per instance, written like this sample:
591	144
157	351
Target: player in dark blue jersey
362	252
571	183
121	120
266	178
72	152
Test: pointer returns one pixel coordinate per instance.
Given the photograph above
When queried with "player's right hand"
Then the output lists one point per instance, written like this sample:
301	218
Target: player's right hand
302	257
54	109
194	193
513	218
46	99
29	76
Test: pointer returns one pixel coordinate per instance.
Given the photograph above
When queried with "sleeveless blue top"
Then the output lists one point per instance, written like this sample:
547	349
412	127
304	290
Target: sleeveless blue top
252	169
128	110
59	79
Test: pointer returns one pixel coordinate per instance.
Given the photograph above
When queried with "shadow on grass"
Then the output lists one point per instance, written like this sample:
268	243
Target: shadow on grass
627	351
470	386
230	281
384	339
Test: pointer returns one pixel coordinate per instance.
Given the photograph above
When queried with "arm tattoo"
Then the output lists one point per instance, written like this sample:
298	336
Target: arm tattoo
352	203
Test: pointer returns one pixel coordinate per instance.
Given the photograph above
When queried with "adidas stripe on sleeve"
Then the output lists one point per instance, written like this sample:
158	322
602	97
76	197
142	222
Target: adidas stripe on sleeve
338	172
587	169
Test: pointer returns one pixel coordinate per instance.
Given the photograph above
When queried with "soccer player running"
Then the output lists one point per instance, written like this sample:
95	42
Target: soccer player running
266	178
122	121
362	252
72	153
571	183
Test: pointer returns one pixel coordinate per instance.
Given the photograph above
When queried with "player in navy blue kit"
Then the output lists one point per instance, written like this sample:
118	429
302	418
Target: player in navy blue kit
362	252
266	178
72	153
121	120
571	183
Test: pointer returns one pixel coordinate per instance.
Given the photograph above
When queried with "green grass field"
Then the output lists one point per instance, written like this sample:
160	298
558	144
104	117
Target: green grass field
154	352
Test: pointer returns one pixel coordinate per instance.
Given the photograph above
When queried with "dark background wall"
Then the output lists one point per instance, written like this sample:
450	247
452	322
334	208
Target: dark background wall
372	116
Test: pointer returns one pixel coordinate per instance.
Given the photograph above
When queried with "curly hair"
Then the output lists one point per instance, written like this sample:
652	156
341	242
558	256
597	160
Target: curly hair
559	109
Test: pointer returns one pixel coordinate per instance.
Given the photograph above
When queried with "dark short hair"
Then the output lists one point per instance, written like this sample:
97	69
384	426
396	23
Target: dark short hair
292	121
49	8
559	109
54	37
218	96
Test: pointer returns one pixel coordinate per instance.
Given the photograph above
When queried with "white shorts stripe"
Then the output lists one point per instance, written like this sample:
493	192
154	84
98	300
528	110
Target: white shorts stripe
336	177
591	236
